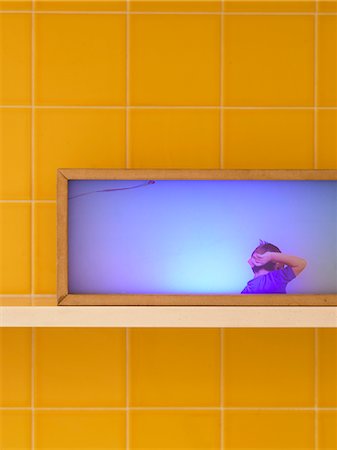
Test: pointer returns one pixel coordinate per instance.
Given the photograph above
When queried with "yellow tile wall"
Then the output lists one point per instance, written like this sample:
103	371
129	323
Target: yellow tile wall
158	84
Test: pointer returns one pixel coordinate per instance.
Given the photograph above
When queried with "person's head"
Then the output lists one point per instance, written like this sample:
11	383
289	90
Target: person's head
262	248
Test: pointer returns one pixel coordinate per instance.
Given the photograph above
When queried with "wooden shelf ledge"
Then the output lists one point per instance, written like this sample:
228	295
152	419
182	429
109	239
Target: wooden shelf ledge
170	316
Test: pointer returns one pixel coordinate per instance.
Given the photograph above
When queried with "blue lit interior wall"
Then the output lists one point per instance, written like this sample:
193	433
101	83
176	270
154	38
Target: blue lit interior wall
193	236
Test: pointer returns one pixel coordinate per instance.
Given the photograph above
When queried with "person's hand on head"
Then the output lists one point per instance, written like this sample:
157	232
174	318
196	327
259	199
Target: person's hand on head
261	259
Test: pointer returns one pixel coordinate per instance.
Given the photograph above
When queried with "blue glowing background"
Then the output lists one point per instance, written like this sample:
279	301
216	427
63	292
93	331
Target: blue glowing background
195	236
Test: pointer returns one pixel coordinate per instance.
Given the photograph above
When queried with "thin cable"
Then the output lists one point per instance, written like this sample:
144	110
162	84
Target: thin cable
114	189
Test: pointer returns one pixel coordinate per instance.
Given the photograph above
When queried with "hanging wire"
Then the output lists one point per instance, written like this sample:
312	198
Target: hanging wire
114	189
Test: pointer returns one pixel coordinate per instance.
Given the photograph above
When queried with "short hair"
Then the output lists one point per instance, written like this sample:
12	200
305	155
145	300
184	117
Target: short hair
263	248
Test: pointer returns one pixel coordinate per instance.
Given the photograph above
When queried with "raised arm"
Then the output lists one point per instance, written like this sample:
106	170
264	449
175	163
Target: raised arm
295	262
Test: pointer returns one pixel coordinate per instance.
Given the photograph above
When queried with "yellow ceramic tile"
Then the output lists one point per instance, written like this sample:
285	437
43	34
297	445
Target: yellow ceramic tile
176	5
45	248
80	59
268	60
268	139
15	45
86	138
15	138
15	301
175	138
66	430
175	430
10	423
269	6
327	5
327	61
327	139
15	248
80	367
174	367
174	68
80	5
327	430
28	301
39	301
327	368
269	367
16	367
272	430
15	5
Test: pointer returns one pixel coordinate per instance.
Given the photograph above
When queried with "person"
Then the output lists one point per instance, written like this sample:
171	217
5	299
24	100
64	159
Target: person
273	270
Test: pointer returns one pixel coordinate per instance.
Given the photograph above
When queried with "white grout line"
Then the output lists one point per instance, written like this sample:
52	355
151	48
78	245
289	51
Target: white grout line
222	151
127	165
33	389
163	408
28	295
315	78
172	107
15	106
127	416
316	389
82	409
33	221
281	408
221	87
127	91
63	106
190	13
222	384
28	201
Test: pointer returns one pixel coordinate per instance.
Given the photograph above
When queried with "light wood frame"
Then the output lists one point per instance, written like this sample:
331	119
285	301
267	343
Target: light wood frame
64	298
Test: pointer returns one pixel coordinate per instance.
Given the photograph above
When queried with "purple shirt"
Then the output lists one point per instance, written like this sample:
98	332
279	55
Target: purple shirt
274	282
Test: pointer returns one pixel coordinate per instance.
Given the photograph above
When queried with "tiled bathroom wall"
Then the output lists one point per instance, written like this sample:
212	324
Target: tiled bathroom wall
158	84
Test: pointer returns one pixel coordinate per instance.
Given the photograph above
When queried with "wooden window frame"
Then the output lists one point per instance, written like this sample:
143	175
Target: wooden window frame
64	298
